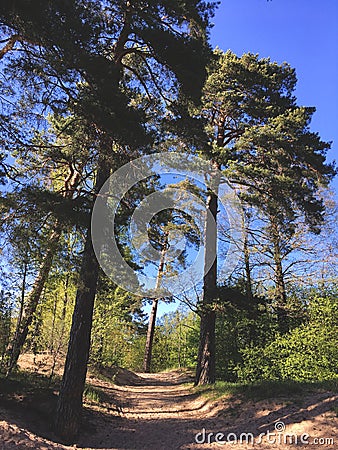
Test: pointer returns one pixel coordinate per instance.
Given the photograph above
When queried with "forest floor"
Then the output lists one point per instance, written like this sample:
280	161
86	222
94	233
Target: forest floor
128	411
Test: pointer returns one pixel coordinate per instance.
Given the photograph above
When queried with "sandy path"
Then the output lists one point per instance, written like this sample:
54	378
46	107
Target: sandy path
160	412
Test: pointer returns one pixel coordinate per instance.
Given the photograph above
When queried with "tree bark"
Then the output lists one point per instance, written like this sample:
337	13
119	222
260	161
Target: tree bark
252	305
153	313
69	407
280	290
206	364
150	336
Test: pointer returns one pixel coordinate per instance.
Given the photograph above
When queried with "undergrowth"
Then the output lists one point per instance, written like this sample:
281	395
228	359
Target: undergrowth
266	389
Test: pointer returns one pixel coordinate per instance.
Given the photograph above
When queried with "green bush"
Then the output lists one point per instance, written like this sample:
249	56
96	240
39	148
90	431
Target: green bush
307	353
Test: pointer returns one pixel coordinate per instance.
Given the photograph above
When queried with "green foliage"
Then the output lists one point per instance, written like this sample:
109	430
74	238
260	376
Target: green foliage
175	341
51	325
266	389
118	328
262	138
92	394
309	352
84	75
117	341
240	322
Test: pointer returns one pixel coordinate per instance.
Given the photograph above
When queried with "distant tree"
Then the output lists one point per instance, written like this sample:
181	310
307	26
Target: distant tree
160	232
289	168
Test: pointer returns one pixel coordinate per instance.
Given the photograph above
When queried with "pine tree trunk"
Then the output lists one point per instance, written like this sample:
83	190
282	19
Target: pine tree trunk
280	290
206	365
150	336
248	282
153	313
69	408
252	306
282	315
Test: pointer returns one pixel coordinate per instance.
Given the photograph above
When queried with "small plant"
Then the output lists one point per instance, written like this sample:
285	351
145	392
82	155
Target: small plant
335	410
93	395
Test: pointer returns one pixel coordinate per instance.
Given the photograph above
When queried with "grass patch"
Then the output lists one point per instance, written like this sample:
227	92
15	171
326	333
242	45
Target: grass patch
102	373
266	389
93	395
219	389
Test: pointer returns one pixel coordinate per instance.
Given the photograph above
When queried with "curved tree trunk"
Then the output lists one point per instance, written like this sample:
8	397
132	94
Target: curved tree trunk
19	339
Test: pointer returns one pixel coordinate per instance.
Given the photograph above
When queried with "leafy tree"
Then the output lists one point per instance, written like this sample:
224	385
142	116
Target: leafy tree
162	229
288	185
176	340
118	318
236	319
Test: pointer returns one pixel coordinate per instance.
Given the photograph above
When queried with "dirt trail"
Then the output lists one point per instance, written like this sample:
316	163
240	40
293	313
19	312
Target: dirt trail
161	411
155	414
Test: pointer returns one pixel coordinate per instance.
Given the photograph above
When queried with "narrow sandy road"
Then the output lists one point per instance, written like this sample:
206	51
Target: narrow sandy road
162	412
159	412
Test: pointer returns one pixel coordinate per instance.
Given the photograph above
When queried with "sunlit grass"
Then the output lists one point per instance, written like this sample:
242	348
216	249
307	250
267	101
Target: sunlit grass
266	389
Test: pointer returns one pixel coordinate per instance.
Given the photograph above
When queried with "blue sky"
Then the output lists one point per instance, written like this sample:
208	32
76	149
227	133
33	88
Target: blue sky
303	33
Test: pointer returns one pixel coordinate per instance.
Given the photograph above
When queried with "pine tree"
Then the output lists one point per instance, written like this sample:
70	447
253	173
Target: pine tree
158	40
260	138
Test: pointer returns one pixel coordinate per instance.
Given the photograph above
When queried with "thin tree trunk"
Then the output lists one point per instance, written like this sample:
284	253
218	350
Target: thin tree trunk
69	408
248	281
65	303
150	336
56	352
19	340
51	343
33	300
153	313
206	364
11	349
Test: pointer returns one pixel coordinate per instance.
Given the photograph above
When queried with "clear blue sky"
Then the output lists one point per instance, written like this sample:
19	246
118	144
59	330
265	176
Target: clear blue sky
303	33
